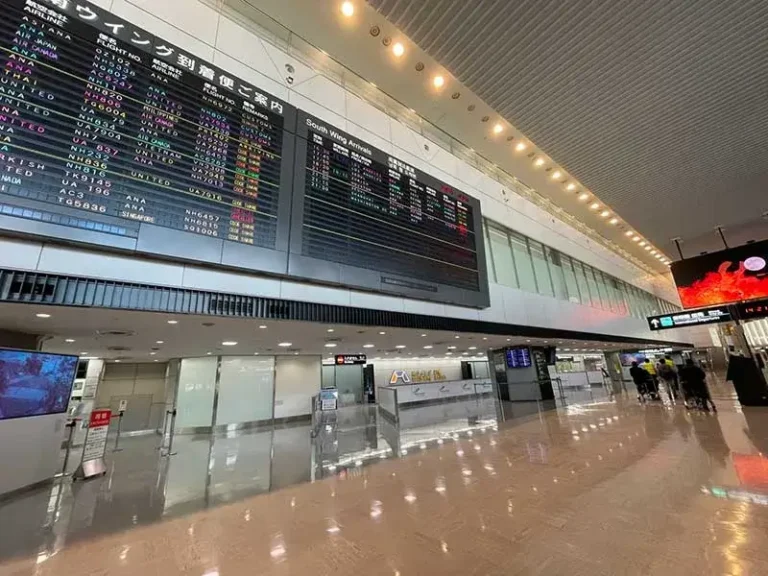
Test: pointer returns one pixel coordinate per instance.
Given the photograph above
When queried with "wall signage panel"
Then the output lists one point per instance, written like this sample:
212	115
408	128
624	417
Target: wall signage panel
519	357
711	315
112	136
364	218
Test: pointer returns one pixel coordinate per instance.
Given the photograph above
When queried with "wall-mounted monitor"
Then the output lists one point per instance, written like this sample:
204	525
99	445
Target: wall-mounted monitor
519	357
34	383
731	275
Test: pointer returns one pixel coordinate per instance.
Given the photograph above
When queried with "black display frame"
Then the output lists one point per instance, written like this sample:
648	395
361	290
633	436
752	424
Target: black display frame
151	239
335	273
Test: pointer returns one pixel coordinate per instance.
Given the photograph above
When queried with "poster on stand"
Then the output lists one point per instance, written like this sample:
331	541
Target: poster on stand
96	438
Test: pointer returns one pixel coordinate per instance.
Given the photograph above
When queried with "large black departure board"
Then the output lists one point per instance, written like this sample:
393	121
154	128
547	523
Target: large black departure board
364	218
110	135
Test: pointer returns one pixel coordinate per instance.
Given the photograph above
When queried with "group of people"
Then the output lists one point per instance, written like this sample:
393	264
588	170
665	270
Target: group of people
691	378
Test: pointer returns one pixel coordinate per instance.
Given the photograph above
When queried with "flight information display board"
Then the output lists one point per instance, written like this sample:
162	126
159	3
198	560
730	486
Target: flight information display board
519	357
364	218
112	136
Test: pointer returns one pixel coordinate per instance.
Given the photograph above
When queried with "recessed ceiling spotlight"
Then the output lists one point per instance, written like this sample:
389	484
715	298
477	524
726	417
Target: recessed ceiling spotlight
209	353
659	256
510	138
398	49
375	30
347	9
43	315
520	146
173	321
419	66
153	353
635	238
438	81
451	347
571	186
83	353
423	335
456	95
457	336
367	345
285	344
642	243
386	40
556	175
229	343
330	345
539	161
400	346
160	342
628	233
329	330
498	129
485	119
649	247
653	252
382	333
613	221
69	340
584	197
604	214
472	348
594	206
428	347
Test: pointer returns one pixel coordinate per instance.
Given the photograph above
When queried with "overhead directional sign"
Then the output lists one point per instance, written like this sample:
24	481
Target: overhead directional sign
753	310
711	315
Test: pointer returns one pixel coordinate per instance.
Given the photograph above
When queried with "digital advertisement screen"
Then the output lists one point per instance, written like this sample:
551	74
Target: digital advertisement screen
723	277
519	357
627	359
34	383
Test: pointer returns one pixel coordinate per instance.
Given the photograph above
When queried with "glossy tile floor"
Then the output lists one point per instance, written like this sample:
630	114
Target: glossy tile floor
598	489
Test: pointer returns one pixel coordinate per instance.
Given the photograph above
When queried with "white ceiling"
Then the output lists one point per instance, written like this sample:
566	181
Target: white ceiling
93	331
659	108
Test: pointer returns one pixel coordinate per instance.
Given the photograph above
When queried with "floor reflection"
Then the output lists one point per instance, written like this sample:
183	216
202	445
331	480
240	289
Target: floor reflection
143	487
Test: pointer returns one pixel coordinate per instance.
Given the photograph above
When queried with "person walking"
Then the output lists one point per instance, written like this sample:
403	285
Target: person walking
648	366
695	380
641	378
668	376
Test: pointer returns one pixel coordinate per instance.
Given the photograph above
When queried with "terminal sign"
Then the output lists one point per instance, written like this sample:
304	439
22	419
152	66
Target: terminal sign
349	359
711	315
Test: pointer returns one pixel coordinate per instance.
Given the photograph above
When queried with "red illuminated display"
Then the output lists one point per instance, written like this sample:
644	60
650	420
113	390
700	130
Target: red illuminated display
723	286
732	275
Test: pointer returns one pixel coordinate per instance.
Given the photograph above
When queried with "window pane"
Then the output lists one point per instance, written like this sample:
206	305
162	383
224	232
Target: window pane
602	288
523	263
540	268
570	279
488	254
554	258
581	279
595	299
501	253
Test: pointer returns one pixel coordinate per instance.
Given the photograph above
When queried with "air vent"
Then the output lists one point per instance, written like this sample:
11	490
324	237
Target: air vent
119	349
115	333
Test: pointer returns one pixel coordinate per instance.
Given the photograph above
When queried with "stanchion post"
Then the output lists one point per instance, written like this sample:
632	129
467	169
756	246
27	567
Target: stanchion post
170	440
71	425
165	428
119	427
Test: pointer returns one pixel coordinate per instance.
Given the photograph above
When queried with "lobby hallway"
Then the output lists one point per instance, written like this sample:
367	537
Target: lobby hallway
601	489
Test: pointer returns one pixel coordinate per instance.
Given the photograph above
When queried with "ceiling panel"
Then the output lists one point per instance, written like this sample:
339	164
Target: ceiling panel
660	108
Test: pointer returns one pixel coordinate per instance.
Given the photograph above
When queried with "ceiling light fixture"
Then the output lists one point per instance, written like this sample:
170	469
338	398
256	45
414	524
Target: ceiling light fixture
329	330
400	346
153	353
43	315
571	186
472	348
498	129
229	343
628	233
69	340
382	333
642	243
159	342
330	345
367	345
520	146
347	9
635	238
556	175
427	347
584	197
398	49
438	81
613	221
173	321
83	353
539	161
285	344
262	327
649	247
604	214
594	206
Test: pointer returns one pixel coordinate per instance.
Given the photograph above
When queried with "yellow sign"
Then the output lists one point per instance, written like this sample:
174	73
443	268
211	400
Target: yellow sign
416	376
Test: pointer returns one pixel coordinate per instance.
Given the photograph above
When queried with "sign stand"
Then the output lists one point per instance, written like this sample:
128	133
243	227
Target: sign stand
117	438
92	462
71	425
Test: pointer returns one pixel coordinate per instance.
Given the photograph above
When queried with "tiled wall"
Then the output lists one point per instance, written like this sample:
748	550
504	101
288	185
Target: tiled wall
218	38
